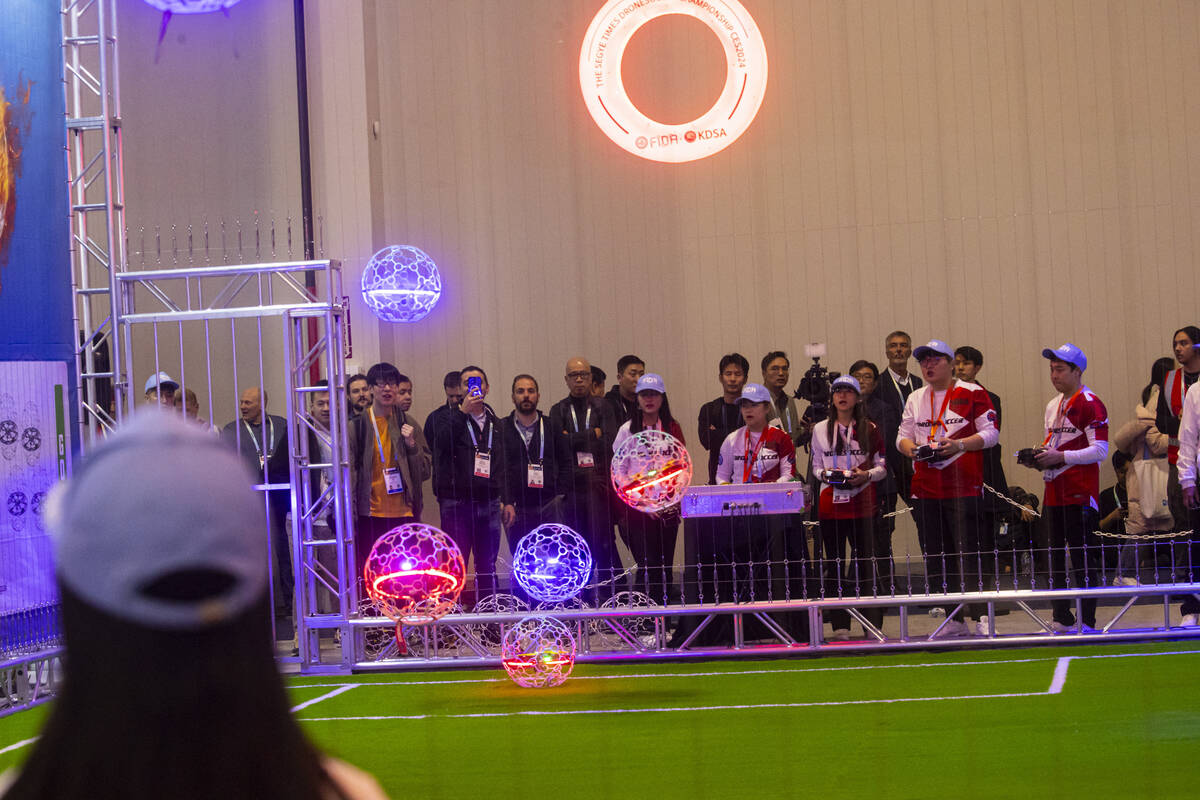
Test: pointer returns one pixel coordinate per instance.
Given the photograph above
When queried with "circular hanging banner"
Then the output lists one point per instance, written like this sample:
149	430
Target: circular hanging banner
713	131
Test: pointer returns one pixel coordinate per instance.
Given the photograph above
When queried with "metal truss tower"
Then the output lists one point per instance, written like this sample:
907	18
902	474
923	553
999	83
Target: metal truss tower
97	208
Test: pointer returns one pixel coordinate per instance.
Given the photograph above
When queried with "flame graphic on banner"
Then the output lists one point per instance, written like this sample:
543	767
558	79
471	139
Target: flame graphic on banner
14	122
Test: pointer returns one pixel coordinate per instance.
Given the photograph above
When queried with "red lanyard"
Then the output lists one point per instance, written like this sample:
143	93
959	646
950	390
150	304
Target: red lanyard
752	458
1058	420
937	423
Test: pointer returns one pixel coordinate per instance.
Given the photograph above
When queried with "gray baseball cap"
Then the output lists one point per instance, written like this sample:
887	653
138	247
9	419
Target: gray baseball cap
161	500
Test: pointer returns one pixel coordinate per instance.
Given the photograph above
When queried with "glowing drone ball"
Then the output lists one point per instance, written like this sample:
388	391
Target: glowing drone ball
639	627
414	574
552	563
491	634
651	471
191	6
538	652
401	284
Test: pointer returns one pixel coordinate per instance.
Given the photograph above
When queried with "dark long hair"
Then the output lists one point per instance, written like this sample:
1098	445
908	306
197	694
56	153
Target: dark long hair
172	715
862	424
1158	374
636	424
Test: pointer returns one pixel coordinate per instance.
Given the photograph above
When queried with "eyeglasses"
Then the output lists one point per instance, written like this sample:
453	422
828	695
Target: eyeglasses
578	376
387	383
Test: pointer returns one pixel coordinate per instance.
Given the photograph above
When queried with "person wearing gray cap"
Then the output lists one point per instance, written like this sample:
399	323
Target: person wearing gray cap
1075	446
162	572
946	423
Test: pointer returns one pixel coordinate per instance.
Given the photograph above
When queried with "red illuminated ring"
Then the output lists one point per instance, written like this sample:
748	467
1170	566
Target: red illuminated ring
713	131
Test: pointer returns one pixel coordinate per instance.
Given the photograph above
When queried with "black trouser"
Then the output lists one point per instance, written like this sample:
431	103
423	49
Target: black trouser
587	513
856	576
279	503
1072	531
367	531
526	520
651	541
1190	569
885	527
949	530
475	528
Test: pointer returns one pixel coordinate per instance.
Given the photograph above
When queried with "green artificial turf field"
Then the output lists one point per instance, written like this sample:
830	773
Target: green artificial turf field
1041	722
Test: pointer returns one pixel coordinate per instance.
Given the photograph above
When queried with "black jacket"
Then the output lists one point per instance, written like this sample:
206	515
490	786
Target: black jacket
621	408
887	419
717	420
993	467
595	438
556	478
272	430
899	467
454	458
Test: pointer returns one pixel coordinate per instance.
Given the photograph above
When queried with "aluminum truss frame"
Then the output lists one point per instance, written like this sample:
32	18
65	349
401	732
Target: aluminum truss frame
95	183
640	634
29	680
321	538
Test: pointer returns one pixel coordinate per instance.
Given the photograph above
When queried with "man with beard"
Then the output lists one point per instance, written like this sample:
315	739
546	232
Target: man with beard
535	476
358	394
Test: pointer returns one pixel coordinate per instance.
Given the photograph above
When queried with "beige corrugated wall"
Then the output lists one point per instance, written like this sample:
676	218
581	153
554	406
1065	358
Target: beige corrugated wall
1003	173
998	173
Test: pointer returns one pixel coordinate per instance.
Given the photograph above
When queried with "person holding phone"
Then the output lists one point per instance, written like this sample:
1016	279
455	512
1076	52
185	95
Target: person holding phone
946	424
469	476
848	461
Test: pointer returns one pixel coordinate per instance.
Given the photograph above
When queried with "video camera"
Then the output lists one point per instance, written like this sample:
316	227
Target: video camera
815	385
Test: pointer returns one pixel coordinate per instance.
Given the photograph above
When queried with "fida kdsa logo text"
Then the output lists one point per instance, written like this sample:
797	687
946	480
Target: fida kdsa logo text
668	139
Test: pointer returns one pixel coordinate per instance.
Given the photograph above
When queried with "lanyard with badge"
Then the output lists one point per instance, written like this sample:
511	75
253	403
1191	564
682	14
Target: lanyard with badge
583	458
840	493
483	461
391	475
535	475
938	423
1059	419
751	457
264	455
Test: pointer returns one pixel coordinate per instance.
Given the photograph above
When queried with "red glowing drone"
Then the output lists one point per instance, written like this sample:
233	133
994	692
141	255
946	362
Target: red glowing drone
414	574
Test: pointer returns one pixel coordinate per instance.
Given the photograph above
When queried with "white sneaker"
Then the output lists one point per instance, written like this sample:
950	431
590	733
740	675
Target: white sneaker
1058	627
840	635
1125	581
1189	621
984	627
953	627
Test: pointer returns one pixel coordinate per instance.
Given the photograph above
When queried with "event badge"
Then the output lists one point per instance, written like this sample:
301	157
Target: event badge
842	496
537	479
483	465
585	459
391	480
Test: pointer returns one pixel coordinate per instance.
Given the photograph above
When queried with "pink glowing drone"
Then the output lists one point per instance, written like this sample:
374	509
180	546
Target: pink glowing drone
414	574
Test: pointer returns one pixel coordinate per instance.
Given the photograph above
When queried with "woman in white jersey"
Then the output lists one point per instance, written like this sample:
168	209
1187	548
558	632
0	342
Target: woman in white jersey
848	460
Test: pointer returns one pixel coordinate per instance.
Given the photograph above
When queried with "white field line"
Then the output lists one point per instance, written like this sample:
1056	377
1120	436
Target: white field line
1060	675
1062	665
18	745
340	690
651	675
597	711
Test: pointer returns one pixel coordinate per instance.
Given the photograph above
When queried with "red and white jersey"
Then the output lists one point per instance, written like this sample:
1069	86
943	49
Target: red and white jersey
960	411
1174	389
1077	427
843	451
767	457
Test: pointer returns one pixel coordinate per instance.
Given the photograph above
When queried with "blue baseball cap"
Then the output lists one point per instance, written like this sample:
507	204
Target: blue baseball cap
161	379
846	382
934	347
755	393
1069	353
651	383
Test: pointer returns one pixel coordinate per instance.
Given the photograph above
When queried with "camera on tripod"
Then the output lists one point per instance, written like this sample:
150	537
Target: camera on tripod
815	385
